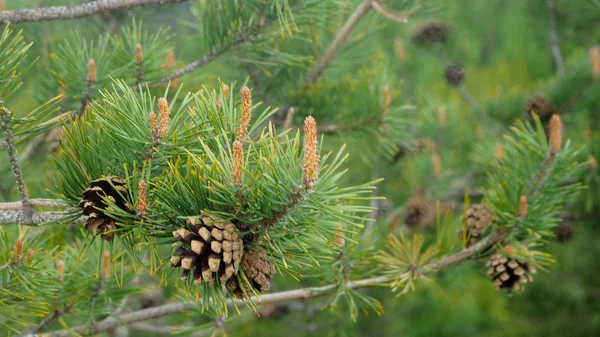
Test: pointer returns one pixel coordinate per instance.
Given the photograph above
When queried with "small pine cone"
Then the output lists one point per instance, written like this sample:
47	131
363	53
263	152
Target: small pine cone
541	106
114	189
454	74
477	220
214	248
564	231
419	212
258	270
430	33
508	273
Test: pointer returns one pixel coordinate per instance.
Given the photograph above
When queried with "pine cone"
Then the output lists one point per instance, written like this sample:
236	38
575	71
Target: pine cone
419	212
477	220
431	32
508	273
114	189
212	249
564	231
454	74
258	270
541	106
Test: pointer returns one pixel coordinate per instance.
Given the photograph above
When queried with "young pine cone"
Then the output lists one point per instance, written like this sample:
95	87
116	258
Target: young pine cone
258	270
454	74
419	212
477	220
213	249
430	33
92	203
508	273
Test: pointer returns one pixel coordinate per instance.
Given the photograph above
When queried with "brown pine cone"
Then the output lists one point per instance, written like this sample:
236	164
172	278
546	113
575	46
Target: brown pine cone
508	273
114	189
213	249
477	220
454	74
541	106
419	212
258	271
564	231
430	33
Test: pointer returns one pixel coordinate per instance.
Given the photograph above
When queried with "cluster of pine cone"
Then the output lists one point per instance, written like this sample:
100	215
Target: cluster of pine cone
207	248
506	272
210	248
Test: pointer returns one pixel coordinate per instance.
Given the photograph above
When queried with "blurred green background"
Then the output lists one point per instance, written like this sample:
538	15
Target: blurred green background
504	47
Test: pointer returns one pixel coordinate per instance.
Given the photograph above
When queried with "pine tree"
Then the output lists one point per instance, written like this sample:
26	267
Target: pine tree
242	158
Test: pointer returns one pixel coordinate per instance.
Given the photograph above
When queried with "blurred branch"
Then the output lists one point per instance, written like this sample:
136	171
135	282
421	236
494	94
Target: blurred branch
333	128
216	51
279	297
73	11
558	59
338	41
389	14
5	119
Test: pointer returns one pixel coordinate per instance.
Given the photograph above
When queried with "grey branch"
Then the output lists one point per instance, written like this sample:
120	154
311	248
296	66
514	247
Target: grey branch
554	46
6	118
12	217
17	205
279	297
73	11
338	41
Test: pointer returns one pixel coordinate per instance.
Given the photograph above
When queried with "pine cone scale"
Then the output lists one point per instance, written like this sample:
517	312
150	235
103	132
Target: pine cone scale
205	249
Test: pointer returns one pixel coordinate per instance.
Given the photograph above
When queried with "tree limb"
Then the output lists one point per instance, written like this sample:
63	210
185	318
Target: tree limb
283	296
401	18
5	119
338	41
554	46
73	11
37	218
17	205
216	51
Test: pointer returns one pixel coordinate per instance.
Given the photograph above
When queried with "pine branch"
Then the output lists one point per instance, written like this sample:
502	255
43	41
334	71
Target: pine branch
554	47
5	116
358	14
294	200
389	14
37	218
215	52
51	317
73	11
273	298
17	205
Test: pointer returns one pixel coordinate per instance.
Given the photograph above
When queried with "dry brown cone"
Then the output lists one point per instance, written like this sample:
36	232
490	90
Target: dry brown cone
210	247
430	33
509	273
419	212
258	271
454	74
564	230
541	106
92	203
477	220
